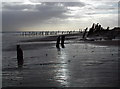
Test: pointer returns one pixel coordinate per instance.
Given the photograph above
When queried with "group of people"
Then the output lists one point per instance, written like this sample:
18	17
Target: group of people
62	38
20	60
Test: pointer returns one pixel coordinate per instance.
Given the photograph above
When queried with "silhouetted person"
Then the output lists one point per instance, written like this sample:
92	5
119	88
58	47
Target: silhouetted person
84	34
62	41
58	42
19	56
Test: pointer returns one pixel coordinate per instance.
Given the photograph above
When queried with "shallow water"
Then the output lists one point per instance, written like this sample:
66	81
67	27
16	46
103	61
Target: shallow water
77	65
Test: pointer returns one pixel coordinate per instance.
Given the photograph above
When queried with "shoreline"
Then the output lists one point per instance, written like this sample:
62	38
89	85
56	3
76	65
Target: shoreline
74	37
53	38
31	44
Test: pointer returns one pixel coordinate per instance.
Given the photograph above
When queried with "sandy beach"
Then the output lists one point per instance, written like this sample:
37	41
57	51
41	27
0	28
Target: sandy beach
60	44
79	64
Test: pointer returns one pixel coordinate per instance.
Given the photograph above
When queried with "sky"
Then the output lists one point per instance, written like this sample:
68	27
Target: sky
47	15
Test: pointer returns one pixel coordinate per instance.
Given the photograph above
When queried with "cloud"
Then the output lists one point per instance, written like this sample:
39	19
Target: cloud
18	15
14	16
72	4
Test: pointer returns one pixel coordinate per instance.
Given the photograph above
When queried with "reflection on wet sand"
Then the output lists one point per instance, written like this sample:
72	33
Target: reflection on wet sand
62	73
77	65
14	77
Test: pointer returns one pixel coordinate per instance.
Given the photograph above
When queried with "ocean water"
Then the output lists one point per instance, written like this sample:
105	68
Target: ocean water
79	64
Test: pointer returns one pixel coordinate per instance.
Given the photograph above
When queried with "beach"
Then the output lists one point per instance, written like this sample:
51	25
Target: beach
79	64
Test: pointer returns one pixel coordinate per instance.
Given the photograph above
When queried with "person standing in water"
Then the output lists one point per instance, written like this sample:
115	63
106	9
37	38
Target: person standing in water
58	42
19	56
62	41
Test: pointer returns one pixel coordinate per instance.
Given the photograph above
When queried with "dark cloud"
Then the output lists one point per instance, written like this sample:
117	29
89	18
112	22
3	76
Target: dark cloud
15	6
17	15
20	6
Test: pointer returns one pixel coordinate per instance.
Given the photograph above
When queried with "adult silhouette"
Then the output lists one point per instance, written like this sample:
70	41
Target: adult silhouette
19	56
58	42
62	41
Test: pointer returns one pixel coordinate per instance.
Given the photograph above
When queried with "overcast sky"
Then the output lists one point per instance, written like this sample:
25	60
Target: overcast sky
34	15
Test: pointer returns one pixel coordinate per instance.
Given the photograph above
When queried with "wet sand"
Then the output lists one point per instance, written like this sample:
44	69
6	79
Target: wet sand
106	42
79	64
